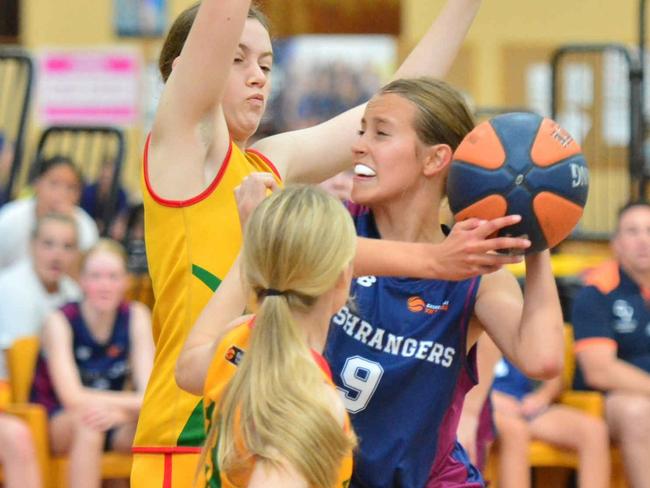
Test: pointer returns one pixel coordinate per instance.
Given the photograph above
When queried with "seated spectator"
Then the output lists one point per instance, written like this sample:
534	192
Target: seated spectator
134	241
523	412
38	284
95	199
57	187
89	350
17	454
611	320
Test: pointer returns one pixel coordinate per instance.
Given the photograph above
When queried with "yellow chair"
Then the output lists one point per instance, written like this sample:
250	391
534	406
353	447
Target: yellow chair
21	359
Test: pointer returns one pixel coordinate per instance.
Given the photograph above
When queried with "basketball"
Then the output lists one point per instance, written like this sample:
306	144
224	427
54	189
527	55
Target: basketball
520	163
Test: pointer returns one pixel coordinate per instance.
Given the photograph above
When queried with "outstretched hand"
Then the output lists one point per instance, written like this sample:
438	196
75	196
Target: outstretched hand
249	194
470	251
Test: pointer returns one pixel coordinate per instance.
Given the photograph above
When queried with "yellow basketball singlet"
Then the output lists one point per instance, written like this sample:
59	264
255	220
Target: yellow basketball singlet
224	364
191	245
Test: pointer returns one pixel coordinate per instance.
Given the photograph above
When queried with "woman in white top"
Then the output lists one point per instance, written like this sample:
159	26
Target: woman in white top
56	190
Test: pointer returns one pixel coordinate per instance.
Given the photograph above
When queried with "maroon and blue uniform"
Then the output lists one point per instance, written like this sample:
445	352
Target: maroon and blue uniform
397	353
102	366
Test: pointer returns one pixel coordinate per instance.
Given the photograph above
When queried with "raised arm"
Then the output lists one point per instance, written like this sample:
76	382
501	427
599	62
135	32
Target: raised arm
529	331
192	94
314	154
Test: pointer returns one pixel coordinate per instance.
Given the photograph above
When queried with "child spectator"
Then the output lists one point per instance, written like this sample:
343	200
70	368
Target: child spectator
89	350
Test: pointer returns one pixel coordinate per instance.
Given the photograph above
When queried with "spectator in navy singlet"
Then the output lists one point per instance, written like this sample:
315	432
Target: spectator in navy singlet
404	353
90	350
524	412
611	321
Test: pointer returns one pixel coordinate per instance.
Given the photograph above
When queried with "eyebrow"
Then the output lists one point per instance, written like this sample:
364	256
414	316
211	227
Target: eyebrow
244	47
378	120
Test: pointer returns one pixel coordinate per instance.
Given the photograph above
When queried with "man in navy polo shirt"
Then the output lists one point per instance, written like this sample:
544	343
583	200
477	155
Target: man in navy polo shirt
611	320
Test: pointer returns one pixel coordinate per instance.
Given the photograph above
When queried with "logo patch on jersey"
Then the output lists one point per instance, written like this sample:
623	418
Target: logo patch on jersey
416	304
626	323
113	351
234	355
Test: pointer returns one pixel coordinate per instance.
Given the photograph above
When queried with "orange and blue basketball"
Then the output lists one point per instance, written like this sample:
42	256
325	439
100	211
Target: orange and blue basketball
520	163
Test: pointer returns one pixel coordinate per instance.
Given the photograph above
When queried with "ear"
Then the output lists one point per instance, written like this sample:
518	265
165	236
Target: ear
437	159
175	62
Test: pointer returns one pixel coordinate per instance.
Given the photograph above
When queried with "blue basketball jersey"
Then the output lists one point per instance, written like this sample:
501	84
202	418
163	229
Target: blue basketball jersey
397	353
103	366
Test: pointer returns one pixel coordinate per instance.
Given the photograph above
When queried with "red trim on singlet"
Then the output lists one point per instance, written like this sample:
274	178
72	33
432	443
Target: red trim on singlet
267	161
166	450
167	472
191	201
322	363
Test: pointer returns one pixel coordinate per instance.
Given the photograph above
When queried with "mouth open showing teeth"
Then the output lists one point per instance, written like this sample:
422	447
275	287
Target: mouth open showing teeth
363	170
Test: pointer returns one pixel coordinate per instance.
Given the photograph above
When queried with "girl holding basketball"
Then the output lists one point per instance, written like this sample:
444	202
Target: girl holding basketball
216	63
404	354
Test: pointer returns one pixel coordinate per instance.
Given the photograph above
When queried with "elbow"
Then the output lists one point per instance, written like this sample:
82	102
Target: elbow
544	367
187	381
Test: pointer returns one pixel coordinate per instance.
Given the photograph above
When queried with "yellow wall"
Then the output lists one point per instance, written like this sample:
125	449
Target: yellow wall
485	70
535	23
82	23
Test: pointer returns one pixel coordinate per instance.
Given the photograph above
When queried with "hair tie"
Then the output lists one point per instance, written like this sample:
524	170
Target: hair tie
272	292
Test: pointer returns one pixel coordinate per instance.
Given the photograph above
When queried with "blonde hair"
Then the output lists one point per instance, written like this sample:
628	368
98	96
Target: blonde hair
105	245
297	242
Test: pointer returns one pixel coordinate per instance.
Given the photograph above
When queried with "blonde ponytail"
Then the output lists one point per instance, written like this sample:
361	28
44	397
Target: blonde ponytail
277	407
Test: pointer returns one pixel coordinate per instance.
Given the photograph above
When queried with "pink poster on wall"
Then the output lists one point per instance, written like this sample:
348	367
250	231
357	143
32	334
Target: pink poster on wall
89	87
